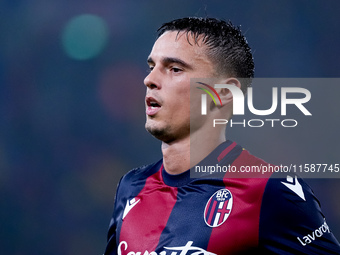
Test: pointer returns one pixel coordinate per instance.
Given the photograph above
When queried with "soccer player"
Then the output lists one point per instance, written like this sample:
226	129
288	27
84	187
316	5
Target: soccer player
161	209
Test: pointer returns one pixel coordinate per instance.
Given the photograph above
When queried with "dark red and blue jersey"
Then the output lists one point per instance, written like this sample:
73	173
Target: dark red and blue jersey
158	213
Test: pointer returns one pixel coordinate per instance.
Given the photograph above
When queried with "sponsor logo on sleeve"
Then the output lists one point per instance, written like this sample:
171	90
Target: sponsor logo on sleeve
317	233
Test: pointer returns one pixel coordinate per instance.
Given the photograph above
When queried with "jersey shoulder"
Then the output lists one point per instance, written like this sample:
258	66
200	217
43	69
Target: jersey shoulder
134	181
291	220
140	173
129	186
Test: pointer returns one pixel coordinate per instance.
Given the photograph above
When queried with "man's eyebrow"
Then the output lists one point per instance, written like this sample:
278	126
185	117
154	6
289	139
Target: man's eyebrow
170	60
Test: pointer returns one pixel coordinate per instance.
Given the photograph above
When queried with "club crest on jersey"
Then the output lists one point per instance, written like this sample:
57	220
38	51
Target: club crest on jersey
218	208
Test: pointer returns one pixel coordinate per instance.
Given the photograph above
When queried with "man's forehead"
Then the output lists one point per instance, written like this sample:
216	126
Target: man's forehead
180	42
178	35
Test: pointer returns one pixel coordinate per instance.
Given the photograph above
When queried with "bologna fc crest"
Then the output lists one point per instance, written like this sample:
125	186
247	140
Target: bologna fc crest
218	208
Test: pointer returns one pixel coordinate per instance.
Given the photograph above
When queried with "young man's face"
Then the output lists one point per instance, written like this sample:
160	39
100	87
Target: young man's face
173	61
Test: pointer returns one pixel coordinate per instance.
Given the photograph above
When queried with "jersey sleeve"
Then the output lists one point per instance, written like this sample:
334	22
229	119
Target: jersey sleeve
128	187
119	204
291	220
112	231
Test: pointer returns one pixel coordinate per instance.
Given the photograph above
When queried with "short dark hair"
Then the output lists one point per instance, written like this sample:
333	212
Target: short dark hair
227	46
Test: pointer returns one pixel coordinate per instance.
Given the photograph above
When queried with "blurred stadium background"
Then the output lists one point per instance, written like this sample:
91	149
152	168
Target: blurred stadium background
72	106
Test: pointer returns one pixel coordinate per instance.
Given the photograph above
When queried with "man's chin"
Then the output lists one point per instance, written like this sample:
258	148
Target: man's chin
160	133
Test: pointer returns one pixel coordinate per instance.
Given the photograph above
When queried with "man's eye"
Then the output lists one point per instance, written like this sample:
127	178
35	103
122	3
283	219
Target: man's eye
176	70
150	68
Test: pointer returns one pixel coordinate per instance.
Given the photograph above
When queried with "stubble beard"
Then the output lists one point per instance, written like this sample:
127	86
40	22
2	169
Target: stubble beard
160	133
167	133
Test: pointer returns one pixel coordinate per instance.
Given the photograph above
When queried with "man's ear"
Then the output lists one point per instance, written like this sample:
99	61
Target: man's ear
225	94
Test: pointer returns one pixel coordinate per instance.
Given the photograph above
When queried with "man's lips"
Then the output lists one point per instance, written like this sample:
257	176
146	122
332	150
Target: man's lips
152	106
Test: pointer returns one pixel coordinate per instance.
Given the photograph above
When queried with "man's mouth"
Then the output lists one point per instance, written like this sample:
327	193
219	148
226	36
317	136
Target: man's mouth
152	106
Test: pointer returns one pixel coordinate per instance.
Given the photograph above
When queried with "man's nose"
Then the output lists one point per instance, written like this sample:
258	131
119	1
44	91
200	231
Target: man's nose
152	80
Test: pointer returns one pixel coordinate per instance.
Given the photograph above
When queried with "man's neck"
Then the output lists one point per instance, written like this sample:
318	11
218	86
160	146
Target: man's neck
178	157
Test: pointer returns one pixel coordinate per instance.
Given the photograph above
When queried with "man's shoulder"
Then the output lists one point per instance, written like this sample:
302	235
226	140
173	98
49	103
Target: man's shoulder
238	155
248	158
141	172
134	180
290	205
